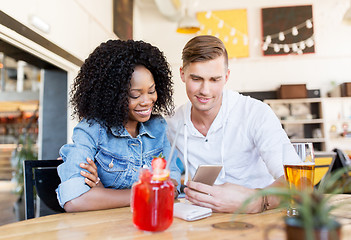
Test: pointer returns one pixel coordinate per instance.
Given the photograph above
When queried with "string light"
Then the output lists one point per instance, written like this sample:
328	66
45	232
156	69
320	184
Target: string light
286	48
309	23
208	14
281	36
233	31
297	47
220	24
294	32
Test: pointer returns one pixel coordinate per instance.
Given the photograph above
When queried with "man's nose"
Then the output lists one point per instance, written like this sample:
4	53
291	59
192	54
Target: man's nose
205	88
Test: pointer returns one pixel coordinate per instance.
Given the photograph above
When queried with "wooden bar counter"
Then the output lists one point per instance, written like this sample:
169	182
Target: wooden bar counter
117	224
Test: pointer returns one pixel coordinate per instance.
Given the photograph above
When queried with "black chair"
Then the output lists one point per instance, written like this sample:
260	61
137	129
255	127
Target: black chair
45	179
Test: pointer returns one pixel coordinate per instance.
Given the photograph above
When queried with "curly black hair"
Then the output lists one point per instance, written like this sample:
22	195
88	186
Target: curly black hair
101	89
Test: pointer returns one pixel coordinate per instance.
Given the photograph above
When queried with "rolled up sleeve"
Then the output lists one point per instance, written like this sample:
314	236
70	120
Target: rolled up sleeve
84	145
71	189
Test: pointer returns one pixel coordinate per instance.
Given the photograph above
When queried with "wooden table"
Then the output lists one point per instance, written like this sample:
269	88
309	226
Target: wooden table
117	224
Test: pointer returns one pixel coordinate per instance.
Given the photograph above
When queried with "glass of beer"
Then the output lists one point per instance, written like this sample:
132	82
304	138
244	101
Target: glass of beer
298	161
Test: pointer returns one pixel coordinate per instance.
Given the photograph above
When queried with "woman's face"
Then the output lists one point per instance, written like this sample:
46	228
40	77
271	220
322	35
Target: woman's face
142	96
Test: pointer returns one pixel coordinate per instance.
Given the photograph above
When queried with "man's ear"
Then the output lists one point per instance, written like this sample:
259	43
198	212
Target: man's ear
227	75
181	71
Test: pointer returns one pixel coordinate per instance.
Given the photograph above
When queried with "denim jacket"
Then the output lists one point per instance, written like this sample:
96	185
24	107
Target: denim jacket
118	157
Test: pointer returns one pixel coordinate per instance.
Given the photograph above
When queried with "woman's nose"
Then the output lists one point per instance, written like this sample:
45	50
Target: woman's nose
146	100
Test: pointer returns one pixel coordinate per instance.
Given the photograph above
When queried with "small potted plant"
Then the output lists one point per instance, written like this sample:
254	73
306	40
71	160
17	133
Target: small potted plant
314	220
25	150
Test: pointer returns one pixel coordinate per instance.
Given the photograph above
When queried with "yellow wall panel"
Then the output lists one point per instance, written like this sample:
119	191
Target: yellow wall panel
230	26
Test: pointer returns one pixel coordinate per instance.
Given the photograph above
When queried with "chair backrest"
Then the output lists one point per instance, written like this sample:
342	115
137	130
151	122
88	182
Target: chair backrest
340	160
323	165
45	179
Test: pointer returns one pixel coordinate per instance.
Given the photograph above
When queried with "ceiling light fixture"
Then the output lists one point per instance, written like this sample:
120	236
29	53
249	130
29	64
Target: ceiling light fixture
188	24
39	23
347	16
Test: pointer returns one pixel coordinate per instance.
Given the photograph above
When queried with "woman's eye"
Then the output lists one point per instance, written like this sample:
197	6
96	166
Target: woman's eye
152	92
134	97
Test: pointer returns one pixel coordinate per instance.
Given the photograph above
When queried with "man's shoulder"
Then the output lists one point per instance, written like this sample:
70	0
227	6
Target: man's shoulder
179	113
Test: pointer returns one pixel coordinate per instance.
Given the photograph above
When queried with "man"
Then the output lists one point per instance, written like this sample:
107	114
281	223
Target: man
224	127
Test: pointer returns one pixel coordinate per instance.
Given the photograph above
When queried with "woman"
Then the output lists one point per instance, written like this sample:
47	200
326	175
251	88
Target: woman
118	96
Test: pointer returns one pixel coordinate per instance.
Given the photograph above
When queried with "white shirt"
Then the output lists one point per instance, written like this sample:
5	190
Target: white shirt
246	138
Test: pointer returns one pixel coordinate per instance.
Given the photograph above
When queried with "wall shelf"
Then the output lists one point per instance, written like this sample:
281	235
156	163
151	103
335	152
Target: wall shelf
329	116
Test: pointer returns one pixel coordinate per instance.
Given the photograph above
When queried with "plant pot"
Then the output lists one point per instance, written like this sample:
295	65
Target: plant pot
19	208
295	231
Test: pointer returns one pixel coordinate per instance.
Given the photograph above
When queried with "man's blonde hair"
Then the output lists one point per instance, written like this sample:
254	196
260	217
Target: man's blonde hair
204	48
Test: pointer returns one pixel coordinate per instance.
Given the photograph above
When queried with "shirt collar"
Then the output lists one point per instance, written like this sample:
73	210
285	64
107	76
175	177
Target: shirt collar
144	129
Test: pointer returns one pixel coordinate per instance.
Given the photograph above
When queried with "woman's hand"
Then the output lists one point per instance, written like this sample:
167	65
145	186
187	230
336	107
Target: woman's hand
91	177
175	183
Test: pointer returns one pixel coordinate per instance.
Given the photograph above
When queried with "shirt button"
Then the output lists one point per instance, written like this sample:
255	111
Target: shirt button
206	140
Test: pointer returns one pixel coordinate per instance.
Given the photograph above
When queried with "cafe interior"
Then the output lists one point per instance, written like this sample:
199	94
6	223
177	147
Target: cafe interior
293	55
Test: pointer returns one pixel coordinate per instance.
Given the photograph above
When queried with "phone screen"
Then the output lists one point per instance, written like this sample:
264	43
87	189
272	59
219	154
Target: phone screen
207	174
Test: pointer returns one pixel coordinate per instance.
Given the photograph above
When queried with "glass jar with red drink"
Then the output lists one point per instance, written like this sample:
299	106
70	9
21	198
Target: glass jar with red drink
152	201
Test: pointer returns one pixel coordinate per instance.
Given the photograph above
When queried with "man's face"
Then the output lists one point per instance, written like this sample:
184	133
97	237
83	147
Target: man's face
204	83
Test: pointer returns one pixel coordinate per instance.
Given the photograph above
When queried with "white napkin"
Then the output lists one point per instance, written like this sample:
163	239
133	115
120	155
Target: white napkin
190	212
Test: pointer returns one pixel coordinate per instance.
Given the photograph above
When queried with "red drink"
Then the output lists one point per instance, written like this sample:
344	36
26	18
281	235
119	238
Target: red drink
152	202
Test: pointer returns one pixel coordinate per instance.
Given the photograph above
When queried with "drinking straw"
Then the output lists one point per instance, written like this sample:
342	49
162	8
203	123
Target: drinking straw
173	145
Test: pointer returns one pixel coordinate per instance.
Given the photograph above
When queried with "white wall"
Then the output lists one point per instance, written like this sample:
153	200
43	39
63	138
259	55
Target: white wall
330	62
77	26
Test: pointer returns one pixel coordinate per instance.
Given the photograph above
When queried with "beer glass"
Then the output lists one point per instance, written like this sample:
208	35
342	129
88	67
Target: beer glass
298	161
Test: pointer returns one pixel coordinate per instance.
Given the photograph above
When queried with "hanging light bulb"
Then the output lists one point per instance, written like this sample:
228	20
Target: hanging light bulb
308	23
232	31
265	47
235	41
225	39
294	32
276	48
302	45
209	32
286	48
294	47
309	42
220	24
217	35
208	14
281	36
268	39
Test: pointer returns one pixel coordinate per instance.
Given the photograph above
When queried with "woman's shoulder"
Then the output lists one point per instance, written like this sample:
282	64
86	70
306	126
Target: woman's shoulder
89	126
157	120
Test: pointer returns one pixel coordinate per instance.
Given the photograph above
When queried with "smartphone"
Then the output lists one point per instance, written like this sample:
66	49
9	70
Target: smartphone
207	174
